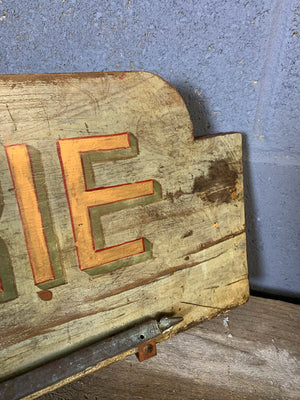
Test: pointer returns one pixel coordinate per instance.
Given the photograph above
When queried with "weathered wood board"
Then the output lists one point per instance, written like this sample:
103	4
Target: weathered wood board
111	213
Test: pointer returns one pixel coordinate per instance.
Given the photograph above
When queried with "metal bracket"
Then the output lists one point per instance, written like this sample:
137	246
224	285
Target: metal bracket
141	336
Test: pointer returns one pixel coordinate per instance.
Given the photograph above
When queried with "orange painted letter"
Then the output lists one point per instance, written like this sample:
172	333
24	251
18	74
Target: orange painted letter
45	264
88	204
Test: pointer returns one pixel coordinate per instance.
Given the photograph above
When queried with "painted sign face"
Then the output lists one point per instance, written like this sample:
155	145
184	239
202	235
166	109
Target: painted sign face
110	212
86	205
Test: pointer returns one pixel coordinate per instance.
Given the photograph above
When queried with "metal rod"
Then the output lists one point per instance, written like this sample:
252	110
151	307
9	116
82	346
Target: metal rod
55	371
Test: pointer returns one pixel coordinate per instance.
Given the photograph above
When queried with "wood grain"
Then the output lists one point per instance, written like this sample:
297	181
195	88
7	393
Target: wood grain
193	229
251	353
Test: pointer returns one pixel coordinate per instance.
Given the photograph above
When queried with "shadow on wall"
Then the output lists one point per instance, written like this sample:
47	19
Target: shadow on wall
197	109
203	126
253	253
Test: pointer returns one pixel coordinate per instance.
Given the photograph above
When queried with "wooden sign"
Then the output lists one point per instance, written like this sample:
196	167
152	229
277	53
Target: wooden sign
111	213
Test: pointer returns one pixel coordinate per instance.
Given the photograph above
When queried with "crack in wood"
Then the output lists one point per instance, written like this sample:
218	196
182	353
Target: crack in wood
161	275
210	244
11	117
239	280
202	305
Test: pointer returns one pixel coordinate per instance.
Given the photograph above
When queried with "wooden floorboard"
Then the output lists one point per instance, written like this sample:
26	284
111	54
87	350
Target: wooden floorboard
253	352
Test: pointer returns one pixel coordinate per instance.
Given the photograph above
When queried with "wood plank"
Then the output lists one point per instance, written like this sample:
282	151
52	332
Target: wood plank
251	353
132	216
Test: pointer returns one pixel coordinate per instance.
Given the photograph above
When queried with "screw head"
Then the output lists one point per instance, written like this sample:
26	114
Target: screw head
148	348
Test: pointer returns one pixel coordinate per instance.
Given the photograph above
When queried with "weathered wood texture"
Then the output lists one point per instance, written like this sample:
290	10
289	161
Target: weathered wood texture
192	260
251	353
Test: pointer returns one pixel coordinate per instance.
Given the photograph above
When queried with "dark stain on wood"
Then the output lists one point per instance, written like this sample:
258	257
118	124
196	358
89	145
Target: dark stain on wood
187	234
45	295
172	196
219	184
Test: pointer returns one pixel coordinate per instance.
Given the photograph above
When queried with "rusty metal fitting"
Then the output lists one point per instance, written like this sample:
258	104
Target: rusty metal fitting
146	350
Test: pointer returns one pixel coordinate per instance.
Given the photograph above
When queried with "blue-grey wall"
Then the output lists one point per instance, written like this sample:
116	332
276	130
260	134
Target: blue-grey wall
236	64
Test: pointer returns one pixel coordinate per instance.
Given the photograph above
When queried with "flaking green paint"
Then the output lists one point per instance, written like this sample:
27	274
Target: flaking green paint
52	243
6	272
